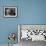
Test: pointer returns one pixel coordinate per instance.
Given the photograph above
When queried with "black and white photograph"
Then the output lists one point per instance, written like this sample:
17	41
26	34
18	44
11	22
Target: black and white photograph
10	11
33	32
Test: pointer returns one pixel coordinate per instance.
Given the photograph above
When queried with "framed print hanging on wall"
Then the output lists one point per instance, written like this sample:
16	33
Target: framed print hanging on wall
10	11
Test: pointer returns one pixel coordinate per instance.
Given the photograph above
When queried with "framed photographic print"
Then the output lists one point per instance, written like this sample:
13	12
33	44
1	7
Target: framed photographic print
33	32
10	11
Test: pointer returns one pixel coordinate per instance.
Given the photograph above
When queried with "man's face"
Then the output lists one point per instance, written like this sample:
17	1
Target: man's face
8	11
